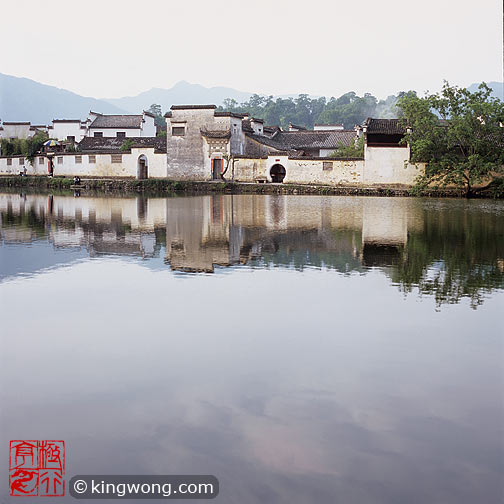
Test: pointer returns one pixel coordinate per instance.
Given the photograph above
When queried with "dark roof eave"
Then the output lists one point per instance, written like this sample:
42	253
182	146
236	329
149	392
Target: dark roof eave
192	107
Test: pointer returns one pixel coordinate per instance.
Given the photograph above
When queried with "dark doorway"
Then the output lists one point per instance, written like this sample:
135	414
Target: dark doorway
216	169
142	169
277	173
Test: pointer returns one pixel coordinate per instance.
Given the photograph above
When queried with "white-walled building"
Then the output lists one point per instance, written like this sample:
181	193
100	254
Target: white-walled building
96	125
203	144
121	126
73	130
12	130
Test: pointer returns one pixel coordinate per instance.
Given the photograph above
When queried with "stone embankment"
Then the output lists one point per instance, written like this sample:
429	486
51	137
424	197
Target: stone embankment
116	185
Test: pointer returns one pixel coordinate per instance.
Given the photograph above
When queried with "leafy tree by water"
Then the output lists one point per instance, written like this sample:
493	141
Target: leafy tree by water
457	255
465	148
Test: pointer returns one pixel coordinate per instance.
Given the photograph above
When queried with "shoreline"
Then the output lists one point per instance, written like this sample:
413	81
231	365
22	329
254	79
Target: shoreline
130	185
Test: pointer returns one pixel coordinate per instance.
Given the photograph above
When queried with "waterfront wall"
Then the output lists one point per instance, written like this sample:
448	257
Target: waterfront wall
382	166
390	165
88	165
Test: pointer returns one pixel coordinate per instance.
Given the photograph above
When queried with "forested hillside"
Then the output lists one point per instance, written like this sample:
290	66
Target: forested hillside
349	109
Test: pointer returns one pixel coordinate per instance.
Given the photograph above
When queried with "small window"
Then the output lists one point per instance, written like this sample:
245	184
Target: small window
40	160
9	162
116	158
60	159
121	134
92	158
178	130
98	134
78	159
327	165
71	138
21	160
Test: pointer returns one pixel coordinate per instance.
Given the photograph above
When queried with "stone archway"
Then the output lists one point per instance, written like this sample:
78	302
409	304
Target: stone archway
142	168
277	173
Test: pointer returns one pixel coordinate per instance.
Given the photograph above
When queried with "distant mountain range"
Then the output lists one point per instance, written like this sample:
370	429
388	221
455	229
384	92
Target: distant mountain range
27	100
497	89
182	93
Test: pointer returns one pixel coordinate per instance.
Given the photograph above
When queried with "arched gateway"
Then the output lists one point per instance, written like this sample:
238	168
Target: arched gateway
277	173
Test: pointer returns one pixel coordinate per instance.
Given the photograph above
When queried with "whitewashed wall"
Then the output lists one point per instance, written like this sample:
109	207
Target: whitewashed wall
333	172
68	165
62	130
389	165
16	131
148	127
112	132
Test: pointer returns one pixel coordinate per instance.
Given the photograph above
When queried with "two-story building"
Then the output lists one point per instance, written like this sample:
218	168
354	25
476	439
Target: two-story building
121	126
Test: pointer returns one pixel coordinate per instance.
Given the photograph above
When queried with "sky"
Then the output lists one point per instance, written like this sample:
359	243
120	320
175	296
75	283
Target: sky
110	49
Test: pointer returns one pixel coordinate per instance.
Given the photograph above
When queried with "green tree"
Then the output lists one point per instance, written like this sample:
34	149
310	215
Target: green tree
355	150
28	147
156	110
466	147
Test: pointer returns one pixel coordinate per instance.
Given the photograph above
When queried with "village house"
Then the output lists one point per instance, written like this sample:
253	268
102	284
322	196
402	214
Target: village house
96	125
121	126
11	130
72	130
203	144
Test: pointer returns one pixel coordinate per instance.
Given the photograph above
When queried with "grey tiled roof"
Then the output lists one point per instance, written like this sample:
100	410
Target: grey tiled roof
192	107
229	114
269	142
315	139
114	144
384	126
300	140
246	126
216	133
271	129
117	121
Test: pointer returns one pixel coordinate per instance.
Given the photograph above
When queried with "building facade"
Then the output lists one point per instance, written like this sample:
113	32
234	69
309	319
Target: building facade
203	144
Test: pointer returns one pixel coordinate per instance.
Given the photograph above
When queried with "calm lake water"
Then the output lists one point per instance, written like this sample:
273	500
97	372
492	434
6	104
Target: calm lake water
302	349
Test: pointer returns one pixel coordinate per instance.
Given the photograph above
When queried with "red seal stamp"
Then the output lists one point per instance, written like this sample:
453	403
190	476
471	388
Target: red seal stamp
36	468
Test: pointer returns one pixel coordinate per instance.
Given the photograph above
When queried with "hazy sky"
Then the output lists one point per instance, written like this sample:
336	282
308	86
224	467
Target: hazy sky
112	48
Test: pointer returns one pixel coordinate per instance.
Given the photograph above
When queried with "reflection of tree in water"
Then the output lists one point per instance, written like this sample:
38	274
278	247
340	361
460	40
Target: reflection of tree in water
332	249
457	255
26	220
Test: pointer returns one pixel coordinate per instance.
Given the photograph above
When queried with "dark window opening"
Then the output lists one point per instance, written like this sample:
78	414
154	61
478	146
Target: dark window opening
71	138
98	134
178	130
381	140
121	134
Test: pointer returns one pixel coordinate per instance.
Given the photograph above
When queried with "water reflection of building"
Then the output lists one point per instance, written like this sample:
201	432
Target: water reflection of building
205	231
201	232
124	226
